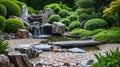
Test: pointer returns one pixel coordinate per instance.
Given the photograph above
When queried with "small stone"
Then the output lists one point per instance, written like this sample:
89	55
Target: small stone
44	41
76	50
66	64
50	43
89	62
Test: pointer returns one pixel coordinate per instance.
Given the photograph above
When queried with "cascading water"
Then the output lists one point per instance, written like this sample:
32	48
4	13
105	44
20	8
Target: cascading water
38	30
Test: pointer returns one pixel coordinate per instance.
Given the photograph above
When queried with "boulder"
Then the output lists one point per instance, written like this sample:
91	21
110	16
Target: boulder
27	49
22	33
58	28
20	60
44	47
4	61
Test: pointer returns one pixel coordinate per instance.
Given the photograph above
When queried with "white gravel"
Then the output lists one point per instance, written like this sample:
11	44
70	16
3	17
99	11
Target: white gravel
62	57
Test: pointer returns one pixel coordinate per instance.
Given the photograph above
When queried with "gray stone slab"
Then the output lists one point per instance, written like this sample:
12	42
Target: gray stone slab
76	43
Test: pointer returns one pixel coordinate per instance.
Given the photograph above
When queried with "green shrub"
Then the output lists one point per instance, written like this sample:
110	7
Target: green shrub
82	10
74	24
3	10
56	7
20	4
115	28
65	21
31	10
12	7
110	59
96	31
54	18
95	24
81	32
84	17
84	3
108	36
3	46
2	23
63	13
12	24
73	17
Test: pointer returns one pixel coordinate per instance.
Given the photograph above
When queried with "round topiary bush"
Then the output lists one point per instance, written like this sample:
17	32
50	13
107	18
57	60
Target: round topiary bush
54	18
115	28
108	36
65	21
84	16
12	24
74	24
2	23
3	10
20	4
63	13
96	31
95	24
12	7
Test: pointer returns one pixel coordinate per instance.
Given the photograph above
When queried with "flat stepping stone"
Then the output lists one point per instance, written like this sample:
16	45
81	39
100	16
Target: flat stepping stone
76	43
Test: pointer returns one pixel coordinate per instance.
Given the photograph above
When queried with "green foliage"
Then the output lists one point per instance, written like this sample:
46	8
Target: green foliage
56	7
12	7
110	59
31	10
84	3
63	13
39	4
96	31
81	32
3	46
20	4
12	24
113	10
3	10
83	10
115	28
95	24
2	23
54	18
74	24
73	17
84	17
108	36
65	21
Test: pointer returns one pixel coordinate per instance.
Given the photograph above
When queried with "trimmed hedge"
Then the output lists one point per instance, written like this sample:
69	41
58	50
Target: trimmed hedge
108	36
74	24
81	32
65	21
63	13
3	10
12	24
96	31
95	24
115	28
12	8
54	18
2	23
20	4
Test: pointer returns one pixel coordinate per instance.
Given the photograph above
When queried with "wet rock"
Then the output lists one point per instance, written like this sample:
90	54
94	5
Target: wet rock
50	43
44	41
89	62
76	50
43	47
80	65
19	60
22	33
4	61
58	28
57	49
29	50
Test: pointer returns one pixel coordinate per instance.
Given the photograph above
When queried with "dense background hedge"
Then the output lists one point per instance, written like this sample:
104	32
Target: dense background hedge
12	8
3	10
